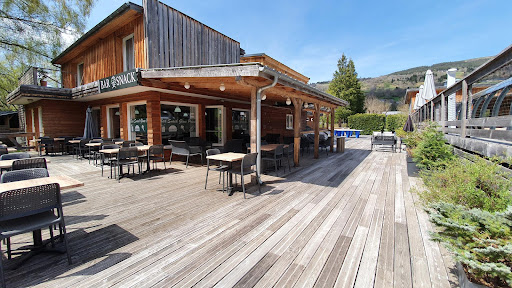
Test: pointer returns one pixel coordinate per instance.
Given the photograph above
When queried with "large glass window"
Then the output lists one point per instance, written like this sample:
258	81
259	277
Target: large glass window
240	124
178	122
138	123
128	53
214	125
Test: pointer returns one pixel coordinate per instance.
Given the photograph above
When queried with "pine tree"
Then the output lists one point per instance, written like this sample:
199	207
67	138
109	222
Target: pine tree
346	86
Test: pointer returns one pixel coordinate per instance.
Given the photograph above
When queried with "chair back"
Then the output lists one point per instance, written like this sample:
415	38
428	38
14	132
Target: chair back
28	201
279	151
249	160
127	143
96	140
128	153
234	145
156	150
136	144
24	174
289	150
118	140
29	163
83	142
109	146
180	147
4	150
12	156
213	151
46	141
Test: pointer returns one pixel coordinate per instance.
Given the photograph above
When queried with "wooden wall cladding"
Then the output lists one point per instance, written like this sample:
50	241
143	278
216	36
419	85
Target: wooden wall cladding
174	39
105	57
60	118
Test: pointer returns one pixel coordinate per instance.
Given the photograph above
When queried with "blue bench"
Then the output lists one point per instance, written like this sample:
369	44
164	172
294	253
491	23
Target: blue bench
347	132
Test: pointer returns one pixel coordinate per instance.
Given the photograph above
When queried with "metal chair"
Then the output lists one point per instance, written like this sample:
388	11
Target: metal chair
93	150
110	159
29	163
234	145
155	153
287	153
127	156
219	168
247	167
29	209
47	143
127	143
275	157
81	148
325	143
24	174
182	148
12	156
4	150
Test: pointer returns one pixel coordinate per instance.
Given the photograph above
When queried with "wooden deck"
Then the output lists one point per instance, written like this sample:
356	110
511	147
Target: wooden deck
347	220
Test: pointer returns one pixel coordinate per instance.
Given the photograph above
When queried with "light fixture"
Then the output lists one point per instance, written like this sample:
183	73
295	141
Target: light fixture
117	113
187	85
177	109
306	105
222	87
137	112
288	101
263	97
185	114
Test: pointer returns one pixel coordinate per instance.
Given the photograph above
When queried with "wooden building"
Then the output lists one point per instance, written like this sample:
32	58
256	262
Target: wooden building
153	74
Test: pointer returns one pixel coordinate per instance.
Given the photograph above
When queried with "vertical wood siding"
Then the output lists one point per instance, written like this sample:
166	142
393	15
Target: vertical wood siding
175	39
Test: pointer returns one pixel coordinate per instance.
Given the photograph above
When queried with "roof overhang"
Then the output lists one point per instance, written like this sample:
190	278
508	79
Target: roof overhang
26	94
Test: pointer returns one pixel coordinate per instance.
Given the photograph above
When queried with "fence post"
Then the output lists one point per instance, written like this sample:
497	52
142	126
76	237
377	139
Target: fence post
464	108
470	101
443	112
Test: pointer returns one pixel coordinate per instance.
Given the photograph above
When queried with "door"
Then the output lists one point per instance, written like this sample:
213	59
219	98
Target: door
114	122
215	125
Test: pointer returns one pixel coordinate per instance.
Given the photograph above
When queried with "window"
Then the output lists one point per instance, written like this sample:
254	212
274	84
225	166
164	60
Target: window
289	122
240	124
138	123
178	121
128	53
80	74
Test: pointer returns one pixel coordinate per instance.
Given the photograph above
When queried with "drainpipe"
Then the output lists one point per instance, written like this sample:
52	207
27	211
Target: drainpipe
258	117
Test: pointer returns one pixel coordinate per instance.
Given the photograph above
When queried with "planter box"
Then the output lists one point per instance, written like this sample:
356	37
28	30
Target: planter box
463	279
412	169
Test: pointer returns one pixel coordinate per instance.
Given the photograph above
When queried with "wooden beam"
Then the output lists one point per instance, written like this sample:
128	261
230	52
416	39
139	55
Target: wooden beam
470	101
464	107
317	128
443	112
201	110
332	130
297	117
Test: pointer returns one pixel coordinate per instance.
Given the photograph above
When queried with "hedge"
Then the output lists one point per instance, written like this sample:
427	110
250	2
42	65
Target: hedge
367	122
395	122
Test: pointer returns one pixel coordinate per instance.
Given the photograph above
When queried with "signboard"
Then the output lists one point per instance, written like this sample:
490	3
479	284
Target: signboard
119	81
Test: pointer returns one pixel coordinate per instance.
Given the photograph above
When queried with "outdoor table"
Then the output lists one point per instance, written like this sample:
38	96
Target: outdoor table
11	149
74	141
270	147
142	148
228	157
7	164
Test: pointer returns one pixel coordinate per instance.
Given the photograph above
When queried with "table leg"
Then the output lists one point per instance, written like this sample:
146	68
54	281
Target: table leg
38	238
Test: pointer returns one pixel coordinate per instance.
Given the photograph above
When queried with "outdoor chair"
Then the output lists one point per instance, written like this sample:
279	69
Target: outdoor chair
234	145
288	153
155	153
109	159
248	166
93	151
385	138
272	138
29	163
219	168
46	143
24	174
305	143
29	209
182	148
127	143
136	144
4	150
12	156
81	148
275	157
288	140
325	144
127	156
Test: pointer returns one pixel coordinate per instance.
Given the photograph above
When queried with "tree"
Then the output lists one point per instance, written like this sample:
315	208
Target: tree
345	85
32	32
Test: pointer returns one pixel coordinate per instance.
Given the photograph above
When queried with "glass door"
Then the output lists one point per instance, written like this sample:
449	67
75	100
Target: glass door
114	122
138	123
215	125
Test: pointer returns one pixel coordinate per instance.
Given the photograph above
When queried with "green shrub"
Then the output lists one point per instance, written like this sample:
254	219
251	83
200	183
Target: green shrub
395	122
479	184
431	152
480	240
367	122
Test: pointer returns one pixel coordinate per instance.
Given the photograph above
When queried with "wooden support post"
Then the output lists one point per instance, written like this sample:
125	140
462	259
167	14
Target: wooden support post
317	128
253	119
443	112
229	122
124	123
470	102
431	110
332	129
297	117
201	119
464	108
104	128
154	122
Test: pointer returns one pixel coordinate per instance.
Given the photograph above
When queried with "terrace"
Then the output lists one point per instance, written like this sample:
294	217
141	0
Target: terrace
344	220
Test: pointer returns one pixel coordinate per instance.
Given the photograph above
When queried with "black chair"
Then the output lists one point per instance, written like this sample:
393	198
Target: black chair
219	168
272	138
29	209
117	140
326	144
81	148
13	156
248	166
275	157
47	144
155	153
24	174
234	145
127	143
127	156
93	150
288	153
136	144
305	143
29	163
109	159
182	148
4	150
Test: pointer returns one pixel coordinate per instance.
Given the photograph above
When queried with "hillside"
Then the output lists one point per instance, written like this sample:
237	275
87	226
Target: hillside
391	87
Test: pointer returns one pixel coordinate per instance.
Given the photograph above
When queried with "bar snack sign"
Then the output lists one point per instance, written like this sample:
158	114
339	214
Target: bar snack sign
119	81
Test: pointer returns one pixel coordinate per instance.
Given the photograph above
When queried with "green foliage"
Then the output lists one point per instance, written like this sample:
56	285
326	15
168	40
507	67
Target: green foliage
474	184
345	85
367	122
479	239
395	122
341	114
431	152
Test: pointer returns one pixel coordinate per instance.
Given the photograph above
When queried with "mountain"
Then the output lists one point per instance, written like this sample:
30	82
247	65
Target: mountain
392	87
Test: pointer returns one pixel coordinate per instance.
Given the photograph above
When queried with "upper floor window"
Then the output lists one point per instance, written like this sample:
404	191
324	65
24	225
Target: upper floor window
80	74
128	53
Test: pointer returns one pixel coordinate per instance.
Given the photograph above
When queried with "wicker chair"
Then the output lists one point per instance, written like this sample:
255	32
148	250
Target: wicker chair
13	156
247	167
29	163
219	168
29	209
127	156
24	174
182	148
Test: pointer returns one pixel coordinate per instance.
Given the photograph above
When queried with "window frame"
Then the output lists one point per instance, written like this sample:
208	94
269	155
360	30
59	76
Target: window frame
289	116
131	36
79	74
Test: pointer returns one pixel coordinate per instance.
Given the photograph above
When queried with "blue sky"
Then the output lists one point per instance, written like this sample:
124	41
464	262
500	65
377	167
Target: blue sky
380	36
